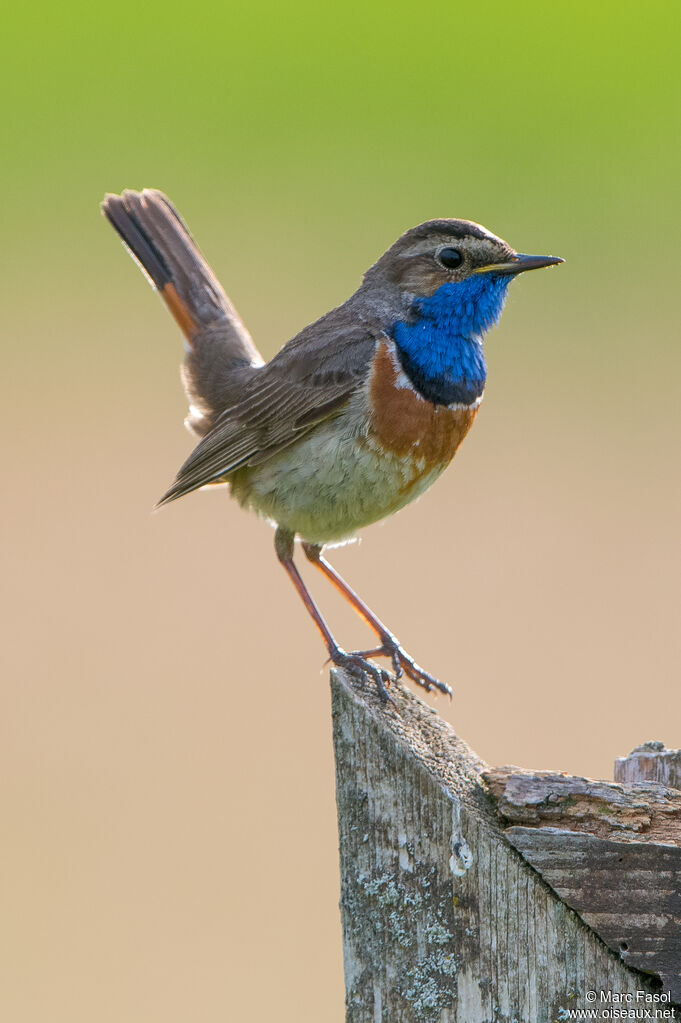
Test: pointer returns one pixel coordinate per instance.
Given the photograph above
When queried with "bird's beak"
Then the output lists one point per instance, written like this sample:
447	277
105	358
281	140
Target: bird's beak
519	263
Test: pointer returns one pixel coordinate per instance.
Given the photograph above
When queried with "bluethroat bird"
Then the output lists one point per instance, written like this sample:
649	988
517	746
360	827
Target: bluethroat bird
356	415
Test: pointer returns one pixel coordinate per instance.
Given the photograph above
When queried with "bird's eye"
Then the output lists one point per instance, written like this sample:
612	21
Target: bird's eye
450	258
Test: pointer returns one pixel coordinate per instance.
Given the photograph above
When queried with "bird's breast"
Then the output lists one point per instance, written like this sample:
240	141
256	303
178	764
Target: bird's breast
406	424
382	451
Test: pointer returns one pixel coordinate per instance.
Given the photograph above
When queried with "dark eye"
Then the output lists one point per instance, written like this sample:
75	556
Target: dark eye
451	258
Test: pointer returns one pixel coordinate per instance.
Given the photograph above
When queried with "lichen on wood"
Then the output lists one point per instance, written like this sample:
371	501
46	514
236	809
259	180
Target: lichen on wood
443	921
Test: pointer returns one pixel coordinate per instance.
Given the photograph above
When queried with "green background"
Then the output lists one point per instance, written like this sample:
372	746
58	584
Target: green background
168	779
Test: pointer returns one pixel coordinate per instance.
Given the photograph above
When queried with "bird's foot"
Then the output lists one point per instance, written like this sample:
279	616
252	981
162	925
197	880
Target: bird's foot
383	651
403	663
357	665
422	678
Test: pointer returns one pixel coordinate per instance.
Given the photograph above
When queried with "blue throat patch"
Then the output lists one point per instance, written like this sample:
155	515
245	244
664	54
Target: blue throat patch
440	349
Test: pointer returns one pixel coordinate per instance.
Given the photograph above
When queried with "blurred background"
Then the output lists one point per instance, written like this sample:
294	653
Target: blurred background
168	817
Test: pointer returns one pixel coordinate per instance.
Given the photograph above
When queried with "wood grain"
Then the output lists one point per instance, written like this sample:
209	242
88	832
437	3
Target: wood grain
629	893
611	851
651	761
623	813
442	919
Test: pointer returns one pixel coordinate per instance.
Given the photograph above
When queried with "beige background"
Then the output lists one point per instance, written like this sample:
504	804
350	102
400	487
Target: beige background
168	837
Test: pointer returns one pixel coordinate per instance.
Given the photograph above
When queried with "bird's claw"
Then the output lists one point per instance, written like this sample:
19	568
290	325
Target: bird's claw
404	664
357	665
382	651
423	678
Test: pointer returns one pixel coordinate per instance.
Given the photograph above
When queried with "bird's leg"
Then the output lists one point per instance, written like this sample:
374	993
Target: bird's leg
355	663
390	645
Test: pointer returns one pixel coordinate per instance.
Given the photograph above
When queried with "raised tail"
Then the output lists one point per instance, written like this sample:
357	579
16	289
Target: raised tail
220	352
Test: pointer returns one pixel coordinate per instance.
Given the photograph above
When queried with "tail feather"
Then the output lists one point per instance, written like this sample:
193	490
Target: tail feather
220	353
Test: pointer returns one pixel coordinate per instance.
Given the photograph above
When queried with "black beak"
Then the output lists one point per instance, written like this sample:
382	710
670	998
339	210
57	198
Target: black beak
519	263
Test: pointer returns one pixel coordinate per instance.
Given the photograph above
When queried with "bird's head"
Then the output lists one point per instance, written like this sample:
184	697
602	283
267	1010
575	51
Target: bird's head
455	267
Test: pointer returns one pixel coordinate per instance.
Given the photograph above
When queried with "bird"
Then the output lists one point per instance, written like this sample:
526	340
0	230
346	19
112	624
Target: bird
355	416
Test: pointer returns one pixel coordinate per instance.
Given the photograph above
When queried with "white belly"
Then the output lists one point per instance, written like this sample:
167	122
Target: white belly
333	481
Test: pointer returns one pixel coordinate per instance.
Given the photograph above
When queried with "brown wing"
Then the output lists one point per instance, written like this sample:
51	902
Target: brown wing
308	381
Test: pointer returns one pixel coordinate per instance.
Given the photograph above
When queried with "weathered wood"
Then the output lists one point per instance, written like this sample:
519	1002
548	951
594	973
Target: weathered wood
628	892
651	761
442	919
625	813
611	851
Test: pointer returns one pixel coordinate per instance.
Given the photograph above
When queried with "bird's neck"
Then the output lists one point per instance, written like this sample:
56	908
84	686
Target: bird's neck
440	344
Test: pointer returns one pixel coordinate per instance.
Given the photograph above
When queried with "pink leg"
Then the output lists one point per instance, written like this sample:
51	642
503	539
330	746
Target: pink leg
354	662
390	646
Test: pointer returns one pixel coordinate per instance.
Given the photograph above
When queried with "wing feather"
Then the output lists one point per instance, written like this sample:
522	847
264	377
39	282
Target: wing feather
302	386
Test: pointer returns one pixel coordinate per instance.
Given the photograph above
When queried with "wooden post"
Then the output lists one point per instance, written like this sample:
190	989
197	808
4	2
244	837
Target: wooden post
443	920
651	761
